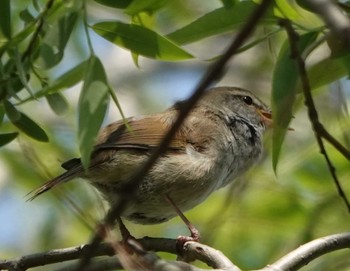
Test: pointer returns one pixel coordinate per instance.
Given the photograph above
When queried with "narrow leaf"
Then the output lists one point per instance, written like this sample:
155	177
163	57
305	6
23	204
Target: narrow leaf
7	138
5	22
29	127
325	72
284	89
140	40
138	6
114	3
52	48
92	107
12	113
57	102
219	21
24	123
66	80
2	113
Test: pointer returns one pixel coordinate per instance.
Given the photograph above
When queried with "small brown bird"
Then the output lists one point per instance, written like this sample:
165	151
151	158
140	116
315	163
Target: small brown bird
219	140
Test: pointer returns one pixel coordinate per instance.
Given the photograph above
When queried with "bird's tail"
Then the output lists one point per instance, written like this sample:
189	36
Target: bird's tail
65	177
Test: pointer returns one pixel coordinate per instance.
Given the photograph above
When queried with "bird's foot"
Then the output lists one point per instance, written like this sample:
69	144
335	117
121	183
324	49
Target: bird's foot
181	240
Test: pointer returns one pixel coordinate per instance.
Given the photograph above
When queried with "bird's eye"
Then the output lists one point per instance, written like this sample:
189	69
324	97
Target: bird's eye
248	100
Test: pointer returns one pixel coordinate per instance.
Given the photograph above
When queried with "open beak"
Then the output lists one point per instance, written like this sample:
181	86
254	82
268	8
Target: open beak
266	117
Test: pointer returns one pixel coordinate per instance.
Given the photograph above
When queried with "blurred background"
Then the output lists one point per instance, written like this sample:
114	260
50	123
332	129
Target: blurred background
255	221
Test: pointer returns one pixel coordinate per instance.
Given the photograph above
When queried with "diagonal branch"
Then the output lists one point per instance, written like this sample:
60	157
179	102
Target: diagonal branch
333	16
312	112
212	74
306	253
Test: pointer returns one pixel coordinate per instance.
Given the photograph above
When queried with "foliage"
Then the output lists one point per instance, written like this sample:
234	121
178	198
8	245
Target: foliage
36	36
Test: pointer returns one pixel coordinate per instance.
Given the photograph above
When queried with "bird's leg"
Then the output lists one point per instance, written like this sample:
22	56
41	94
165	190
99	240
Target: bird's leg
124	232
195	235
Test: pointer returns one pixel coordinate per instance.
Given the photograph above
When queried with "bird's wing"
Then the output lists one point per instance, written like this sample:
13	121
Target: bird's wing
142	133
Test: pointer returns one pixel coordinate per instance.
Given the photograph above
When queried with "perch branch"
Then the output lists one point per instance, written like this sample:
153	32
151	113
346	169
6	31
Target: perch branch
193	251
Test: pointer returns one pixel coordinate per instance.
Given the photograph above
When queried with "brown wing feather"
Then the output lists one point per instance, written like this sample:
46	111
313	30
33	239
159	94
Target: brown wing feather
143	133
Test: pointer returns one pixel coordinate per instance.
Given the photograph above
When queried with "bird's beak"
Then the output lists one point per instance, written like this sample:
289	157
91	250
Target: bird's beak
266	117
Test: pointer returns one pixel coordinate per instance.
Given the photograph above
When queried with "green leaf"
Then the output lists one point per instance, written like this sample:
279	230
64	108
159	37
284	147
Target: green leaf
2	113
325	72
140	40
51	50
284	89
219	21
93	102
286	10
26	16
7	138
24	123
66	80
138	6
5	22
57	102
114	3
11	111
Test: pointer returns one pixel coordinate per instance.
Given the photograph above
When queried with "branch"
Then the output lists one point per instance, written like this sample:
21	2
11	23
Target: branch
333	16
192	251
310	251
212	74
312	112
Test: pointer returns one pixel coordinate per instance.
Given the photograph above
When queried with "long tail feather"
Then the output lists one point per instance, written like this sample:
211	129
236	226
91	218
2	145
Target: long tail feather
65	177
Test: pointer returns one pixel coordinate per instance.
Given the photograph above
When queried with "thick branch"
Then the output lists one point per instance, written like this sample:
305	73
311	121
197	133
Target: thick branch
310	251
192	251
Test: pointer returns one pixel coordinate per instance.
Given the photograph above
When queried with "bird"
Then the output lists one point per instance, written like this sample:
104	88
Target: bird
221	138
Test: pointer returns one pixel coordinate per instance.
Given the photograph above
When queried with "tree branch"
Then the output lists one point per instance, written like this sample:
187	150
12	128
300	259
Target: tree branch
192	251
318	128
310	251
333	16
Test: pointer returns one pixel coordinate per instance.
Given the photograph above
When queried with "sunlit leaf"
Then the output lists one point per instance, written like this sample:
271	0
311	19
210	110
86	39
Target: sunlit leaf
286	10
284	89
5	21
137	6
141	41
57	102
325	72
219	21
7	138
24	123
92	107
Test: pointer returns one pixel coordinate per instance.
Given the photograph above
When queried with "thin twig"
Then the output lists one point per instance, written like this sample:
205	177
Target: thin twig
212	74
312	112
